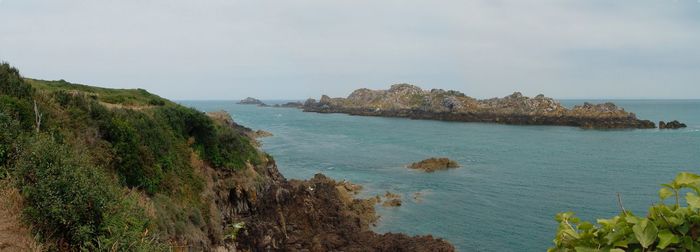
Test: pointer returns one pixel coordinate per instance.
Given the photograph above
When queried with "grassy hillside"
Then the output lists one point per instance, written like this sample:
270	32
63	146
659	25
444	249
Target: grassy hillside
127	97
111	169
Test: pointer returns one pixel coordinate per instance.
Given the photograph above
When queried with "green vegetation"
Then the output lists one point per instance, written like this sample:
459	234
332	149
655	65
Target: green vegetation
667	227
111	169
127	97
65	205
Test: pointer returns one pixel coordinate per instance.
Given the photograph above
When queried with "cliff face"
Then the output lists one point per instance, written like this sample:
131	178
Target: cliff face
404	100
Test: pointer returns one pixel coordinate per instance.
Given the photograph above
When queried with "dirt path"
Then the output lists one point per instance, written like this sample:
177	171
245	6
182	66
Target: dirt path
14	235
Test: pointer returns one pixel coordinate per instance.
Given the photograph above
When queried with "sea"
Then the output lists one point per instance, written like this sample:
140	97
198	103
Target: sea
513	179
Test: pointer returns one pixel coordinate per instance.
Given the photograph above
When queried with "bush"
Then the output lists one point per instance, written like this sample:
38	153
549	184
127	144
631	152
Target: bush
665	228
221	146
8	135
20	110
70	202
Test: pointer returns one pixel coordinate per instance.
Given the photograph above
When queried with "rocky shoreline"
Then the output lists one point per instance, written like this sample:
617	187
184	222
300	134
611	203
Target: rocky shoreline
272	213
409	101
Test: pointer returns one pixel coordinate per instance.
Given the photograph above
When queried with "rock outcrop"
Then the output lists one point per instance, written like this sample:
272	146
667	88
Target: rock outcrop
405	100
434	164
252	101
671	125
263	211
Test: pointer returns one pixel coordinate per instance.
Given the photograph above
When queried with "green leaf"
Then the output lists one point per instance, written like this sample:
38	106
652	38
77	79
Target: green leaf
664	193
686	179
693	200
585	249
666	238
585	226
632	219
645	232
673	186
617	250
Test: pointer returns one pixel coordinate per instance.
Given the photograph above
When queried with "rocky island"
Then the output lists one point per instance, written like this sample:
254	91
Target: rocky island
409	101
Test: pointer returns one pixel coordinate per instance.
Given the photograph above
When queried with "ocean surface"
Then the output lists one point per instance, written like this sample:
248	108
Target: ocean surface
513	179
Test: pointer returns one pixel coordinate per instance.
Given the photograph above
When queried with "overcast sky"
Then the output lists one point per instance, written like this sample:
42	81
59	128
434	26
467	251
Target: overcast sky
229	49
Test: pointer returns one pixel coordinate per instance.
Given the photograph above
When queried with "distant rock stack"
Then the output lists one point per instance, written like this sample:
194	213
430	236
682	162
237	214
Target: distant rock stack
671	125
405	100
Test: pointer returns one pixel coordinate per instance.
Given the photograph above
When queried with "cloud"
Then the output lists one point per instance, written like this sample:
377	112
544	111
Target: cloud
224	49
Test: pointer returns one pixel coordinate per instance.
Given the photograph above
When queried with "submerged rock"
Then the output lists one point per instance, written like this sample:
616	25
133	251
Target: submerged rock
418	197
392	203
434	164
391	200
252	101
405	100
671	125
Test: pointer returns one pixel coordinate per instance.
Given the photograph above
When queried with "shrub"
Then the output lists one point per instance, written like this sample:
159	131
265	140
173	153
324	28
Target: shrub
20	110
222	146
8	135
70	202
670	227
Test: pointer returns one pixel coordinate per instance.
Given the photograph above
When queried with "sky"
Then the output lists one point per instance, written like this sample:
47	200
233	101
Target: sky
296	49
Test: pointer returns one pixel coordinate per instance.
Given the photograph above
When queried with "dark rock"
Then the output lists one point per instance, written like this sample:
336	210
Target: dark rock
671	125
316	216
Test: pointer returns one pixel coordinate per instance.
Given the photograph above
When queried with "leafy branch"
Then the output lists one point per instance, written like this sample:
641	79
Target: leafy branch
665	228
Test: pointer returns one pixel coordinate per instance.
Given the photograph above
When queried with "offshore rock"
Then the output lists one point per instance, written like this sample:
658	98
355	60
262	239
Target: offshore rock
671	125
434	164
405	100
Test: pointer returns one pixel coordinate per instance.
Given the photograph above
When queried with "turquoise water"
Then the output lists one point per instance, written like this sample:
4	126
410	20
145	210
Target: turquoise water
513	181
